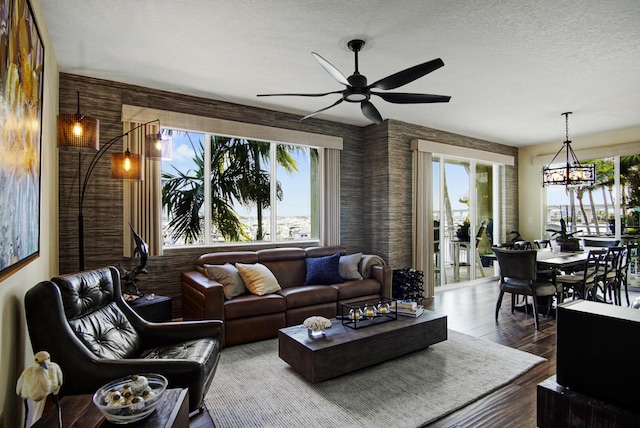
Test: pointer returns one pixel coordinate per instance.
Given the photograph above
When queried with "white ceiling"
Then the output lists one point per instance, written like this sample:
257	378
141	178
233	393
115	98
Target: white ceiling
511	67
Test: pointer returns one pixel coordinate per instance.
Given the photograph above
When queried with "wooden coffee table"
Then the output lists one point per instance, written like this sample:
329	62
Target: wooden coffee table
344	349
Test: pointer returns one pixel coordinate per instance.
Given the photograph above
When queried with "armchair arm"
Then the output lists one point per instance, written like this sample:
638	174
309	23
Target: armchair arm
159	334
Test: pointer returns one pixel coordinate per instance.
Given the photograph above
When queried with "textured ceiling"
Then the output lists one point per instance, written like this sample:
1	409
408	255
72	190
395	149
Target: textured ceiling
511	67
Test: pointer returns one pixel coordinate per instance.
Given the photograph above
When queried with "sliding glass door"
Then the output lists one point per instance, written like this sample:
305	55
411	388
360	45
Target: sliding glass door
463	213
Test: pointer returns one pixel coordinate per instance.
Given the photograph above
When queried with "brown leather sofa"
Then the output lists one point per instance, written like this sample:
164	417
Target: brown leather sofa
250	317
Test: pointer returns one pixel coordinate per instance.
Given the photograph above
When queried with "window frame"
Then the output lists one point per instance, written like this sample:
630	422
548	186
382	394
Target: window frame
273	210
328	146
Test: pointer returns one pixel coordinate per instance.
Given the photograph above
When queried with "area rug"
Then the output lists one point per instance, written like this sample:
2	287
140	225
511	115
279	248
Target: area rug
253	387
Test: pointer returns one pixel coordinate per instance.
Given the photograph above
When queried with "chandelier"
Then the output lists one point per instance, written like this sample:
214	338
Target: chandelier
572	173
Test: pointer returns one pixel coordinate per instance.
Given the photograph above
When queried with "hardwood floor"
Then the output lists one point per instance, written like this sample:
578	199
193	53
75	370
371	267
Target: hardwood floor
470	309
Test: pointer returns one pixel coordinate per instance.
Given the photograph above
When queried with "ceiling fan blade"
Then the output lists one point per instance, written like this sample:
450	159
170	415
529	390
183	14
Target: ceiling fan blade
371	112
405	98
409	75
299	95
323	109
331	69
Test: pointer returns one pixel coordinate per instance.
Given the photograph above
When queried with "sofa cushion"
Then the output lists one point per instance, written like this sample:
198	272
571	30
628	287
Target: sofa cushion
286	264
258	278
228	276
250	305
348	266
353	289
323	270
308	295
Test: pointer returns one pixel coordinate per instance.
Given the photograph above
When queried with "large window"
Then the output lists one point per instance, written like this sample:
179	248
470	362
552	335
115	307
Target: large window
221	189
612	204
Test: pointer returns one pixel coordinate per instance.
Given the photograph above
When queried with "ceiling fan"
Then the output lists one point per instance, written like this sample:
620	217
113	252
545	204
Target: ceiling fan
357	90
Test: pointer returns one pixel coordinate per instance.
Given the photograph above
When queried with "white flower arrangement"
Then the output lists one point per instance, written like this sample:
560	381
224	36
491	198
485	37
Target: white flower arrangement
317	323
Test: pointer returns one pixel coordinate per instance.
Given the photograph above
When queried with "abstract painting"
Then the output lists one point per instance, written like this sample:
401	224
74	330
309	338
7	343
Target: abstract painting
21	91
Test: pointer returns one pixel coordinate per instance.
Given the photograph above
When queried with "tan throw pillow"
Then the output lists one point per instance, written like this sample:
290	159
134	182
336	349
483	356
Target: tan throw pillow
258	278
228	276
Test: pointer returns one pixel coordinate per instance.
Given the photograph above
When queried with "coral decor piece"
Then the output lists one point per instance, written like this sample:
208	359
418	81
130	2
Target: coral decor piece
317	323
315	326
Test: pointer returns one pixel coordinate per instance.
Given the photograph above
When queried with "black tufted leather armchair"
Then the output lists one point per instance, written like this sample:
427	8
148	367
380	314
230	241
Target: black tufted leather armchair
89	330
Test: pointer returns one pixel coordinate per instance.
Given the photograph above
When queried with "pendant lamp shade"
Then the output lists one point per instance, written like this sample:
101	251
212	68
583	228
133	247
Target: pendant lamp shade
158	147
78	131
127	166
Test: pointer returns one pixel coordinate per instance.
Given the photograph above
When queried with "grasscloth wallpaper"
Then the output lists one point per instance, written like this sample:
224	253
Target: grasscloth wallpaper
375	180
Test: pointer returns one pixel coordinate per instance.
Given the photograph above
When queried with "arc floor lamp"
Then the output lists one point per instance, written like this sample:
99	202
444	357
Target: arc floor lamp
82	132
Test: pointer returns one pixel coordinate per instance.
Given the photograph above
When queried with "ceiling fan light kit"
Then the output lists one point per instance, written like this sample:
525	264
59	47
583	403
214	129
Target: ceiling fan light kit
358	91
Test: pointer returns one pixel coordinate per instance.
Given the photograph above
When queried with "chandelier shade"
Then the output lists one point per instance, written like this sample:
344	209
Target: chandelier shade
571	172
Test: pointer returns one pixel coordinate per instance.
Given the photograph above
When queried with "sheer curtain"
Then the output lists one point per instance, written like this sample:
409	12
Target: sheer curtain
143	199
330	232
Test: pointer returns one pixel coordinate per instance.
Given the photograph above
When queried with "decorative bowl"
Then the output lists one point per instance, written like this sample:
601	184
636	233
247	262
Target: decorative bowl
128	400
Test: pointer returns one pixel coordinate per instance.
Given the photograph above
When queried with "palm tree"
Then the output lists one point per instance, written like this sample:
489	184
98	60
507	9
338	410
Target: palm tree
183	196
255	186
236	177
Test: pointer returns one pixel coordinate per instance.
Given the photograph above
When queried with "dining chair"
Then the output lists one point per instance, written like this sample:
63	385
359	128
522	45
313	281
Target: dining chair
609	280
541	244
623	274
518	277
582	283
522	245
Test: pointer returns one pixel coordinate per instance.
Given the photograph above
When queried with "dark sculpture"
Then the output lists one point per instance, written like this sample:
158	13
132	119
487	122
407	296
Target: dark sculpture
129	279
142	249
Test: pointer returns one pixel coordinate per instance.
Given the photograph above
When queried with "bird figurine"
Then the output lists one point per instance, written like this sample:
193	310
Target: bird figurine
35	383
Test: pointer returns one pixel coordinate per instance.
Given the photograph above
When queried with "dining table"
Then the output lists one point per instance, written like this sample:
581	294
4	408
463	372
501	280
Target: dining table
567	262
564	261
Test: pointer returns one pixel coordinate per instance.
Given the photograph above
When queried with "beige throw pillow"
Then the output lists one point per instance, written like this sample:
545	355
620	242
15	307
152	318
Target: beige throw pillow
258	278
348	266
228	276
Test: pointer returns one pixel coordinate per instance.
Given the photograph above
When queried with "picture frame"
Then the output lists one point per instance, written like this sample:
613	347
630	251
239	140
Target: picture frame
21	96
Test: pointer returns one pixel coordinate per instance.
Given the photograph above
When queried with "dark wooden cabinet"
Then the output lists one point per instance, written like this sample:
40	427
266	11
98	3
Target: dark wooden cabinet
596	347
157	309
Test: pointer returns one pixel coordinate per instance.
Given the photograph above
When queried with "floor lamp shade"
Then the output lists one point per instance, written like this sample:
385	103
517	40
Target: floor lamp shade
127	166
78	131
158	148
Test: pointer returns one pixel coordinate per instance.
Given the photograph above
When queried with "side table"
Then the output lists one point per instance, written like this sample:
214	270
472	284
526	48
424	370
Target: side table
156	310
79	411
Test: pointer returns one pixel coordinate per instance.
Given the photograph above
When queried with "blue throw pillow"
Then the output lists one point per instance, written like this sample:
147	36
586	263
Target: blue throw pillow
323	270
